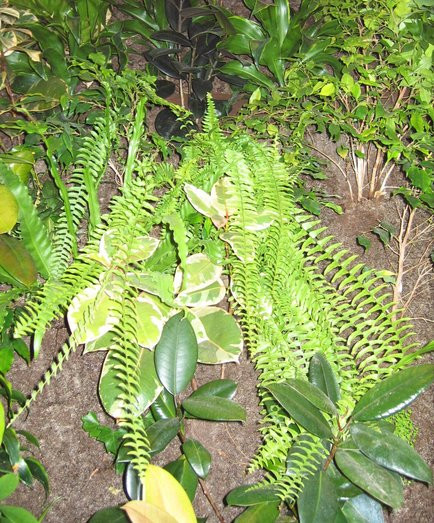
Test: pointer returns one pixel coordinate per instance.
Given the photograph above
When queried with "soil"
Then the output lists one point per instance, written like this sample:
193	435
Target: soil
81	474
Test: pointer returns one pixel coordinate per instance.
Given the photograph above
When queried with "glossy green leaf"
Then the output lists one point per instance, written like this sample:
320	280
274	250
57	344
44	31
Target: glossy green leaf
181	470
8	484
16	265
363	509
176	354
222	388
247	495
198	457
312	394
110	514
301	410
132	484
322	376
15	514
317	501
394	393
39	473
214	408
375	480
391	452
218	335
264	512
161	433
111	392
164	406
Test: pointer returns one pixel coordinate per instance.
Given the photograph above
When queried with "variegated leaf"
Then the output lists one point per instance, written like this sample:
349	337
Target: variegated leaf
153	282
142	248
218	335
111	391
210	295
94	312
151	317
199	274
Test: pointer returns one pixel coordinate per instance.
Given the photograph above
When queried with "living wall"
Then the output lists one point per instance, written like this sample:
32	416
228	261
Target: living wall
211	244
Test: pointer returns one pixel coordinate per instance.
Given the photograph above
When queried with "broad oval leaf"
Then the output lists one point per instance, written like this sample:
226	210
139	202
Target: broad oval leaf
370	477
394	393
318	500
391	452
222	388
248	495
12	513
198	457
322	376
164	406
218	335
16	264
313	395
247	72
151	318
112	514
363	509
181	470
9	210
111	393
92	312
176	354
214	408
161	433
161	490
303	412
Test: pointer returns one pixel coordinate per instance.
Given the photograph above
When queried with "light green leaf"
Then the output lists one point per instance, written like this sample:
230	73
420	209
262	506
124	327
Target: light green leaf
209	295
8	484
15	514
198	457
176	354
327	89
218	335
199	273
110	390
373	479
391	452
93	311
301	410
394	393
2	422
142	248
153	282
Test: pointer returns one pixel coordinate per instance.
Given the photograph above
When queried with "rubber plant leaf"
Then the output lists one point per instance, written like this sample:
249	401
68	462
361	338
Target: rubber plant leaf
394	393
164	500
391	452
214	408
312	394
303	412
363	509
222	388
322	376
248	495
198	457
181	470
372	478
176	354
260	513
318	500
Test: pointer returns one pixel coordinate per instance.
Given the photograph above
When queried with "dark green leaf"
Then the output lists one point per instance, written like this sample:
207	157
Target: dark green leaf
312	394
110	515
370	477
247	72
164	88
391	452
363	509
171	36
176	354
248	495
322	376
164	406
317	502
394	393
168	125
161	433
222	388
262	513
8	484
29	437
39	473
301	410
132	485
24	472
363	241
12	446
182	471
214	408
198	457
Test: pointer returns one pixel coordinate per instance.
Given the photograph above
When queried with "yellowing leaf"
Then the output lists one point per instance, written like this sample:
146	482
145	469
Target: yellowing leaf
164	500
143	512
